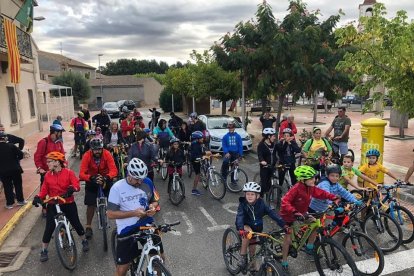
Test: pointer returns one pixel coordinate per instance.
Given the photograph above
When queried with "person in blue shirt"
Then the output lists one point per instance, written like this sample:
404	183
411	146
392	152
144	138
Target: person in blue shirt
232	146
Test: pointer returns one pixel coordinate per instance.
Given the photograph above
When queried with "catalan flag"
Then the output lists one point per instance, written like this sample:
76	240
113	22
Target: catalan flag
12	50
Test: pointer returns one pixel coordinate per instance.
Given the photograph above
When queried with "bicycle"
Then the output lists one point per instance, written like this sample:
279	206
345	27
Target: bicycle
64	242
162	153
187	155
231	244
101	207
321	161
150	261
212	179
176	188
336	156
236	177
119	155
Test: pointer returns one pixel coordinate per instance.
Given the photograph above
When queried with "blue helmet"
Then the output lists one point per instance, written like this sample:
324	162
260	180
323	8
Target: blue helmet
147	130
373	152
174	140
56	127
197	135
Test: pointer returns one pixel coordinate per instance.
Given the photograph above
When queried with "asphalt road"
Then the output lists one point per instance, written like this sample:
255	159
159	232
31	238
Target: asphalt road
195	249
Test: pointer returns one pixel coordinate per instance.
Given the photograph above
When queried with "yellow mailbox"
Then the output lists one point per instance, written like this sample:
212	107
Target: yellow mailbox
372	133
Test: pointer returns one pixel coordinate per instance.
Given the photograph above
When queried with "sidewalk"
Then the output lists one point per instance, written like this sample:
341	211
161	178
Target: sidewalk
31	181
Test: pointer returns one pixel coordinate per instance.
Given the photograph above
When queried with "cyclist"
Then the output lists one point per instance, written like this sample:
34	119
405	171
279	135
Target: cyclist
139	121
132	202
124	114
163	135
198	149
175	123
102	120
249	218
148	137
295	204
184	133
232	146
175	155
98	133
288	123
315	148
155	116
79	127
59	181
127	128
97	168
90	134
145	151
341	126
348	173
373	168
267	153
287	148
113	137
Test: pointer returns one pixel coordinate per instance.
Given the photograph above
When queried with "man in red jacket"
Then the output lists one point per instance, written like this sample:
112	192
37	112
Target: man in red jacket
127	128
288	123
97	169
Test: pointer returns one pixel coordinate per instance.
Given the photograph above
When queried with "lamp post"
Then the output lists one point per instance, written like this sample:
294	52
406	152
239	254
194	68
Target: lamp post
100	75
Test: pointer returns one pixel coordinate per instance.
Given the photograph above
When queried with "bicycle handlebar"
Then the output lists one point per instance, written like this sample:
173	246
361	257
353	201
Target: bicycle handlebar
162	228
55	198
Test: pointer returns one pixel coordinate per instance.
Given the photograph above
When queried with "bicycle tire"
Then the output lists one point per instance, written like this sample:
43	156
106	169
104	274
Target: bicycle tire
164	173
180	192
217	190
114	237
231	244
406	220
236	186
274	196
61	237
133	266
332	262
355	243
203	178
373	232
270	268
159	266
104	223
189	168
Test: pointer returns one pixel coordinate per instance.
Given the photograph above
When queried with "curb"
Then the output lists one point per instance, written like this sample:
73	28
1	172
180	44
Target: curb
8	228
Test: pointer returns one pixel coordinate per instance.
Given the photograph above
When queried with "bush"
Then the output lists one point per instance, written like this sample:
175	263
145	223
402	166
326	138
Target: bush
165	101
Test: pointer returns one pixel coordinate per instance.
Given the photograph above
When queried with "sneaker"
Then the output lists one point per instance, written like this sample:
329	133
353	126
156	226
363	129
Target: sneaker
195	192
43	256
21	203
88	233
243	264
286	269
8	207
85	245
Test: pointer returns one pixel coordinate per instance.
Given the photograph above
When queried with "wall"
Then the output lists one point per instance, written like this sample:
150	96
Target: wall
152	91
10	7
114	94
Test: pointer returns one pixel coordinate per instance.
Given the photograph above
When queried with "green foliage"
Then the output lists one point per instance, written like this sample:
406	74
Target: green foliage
166	101
158	77
80	86
133	66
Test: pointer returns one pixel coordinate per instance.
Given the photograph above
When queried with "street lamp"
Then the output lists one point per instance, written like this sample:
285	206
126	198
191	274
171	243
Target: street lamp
100	75
39	18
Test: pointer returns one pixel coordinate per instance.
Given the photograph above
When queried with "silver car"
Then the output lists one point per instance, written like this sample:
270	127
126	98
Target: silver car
112	109
216	126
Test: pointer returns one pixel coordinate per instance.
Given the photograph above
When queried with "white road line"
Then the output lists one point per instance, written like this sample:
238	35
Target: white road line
215	226
229	206
187	221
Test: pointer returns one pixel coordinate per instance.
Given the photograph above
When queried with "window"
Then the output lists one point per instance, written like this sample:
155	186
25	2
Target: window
12	105
44	97
31	102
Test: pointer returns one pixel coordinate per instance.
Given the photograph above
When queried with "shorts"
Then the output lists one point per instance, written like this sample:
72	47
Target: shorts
90	197
256	228
128	250
341	146
196	167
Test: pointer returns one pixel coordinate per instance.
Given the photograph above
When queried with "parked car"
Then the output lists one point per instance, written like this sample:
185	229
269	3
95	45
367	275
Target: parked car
112	109
216	125
352	99
128	103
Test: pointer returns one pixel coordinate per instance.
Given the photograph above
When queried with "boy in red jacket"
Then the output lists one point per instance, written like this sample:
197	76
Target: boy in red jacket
296	202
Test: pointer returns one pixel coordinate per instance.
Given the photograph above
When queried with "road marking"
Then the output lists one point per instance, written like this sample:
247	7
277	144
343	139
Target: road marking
215	226
229	206
187	221
395	262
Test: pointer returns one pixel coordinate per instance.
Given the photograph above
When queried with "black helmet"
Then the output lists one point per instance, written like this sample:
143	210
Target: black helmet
96	144
333	168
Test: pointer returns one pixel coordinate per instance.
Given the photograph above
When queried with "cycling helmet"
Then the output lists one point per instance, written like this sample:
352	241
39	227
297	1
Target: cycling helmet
96	144
193	115
287	130
304	172
80	113
125	109
373	152
56	155
269	131
90	132
333	168
137	169
174	140
252	187
147	130
56	127
197	135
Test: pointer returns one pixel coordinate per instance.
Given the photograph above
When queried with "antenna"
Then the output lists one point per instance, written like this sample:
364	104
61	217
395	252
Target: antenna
61	49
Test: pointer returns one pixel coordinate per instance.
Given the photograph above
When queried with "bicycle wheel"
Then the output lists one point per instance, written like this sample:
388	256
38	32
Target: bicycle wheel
217	185
368	257
189	167
274	196
159	268
114	238
104	223
270	268
231	245
164	173
236	182
331	258
66	250
177	191
405	219
383	230
203	178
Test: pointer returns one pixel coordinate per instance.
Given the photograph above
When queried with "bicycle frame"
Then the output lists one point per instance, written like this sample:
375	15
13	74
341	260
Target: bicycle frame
60	217
149	245
308	228
392	202
101	200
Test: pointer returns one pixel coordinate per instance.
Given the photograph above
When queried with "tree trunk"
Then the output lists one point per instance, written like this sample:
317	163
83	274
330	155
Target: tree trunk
279	112
264	104
325	104
223	108
315	105
402	125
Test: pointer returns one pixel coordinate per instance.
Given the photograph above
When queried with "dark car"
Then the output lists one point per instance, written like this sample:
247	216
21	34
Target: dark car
112	109
128	103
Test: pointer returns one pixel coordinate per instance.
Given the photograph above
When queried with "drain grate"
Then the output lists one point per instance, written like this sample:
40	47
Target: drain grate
6	258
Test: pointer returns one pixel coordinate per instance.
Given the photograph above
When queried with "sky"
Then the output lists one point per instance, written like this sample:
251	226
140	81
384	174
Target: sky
164	30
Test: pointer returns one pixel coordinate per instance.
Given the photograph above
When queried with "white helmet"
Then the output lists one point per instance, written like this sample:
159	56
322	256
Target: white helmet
137	168
252	187
269	131
287	130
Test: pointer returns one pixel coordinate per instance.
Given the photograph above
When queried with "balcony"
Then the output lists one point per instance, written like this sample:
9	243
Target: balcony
24	41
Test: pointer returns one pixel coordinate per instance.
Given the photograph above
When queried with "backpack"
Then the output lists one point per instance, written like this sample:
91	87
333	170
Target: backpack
324	141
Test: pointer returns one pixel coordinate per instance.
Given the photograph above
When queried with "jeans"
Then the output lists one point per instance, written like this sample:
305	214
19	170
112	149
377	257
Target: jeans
342	147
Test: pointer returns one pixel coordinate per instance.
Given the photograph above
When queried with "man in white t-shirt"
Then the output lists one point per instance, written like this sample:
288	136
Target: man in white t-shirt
133	202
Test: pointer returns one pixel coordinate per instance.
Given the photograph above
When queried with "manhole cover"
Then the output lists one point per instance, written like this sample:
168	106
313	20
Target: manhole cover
6	258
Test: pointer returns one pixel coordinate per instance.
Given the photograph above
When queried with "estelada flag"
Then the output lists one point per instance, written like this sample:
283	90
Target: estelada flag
12	50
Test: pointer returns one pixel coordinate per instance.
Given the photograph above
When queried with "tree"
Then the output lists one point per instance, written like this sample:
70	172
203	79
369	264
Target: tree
80	87
384	54
133	66
166	101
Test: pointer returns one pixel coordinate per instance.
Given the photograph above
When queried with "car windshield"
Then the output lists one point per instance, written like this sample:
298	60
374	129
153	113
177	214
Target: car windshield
221	122
110	105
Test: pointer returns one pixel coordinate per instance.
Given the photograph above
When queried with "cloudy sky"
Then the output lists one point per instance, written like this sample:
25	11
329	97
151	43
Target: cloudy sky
165	30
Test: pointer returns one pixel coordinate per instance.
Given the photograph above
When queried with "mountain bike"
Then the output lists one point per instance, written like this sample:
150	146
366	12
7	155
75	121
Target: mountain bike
162	153
211	179
150	261
187	155
101	207
319	163
119	155
176	188
236	177
266	254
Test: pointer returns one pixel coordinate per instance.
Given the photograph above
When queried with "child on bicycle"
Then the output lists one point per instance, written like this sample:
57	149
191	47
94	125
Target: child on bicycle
315	148
267	154
295	204
197	151
59	181
174	156
373	168
90	134
287	148
348	173
249	217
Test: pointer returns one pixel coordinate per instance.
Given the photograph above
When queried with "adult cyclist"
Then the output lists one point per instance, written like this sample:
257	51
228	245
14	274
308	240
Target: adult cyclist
79	127
132	202
97	169
102	120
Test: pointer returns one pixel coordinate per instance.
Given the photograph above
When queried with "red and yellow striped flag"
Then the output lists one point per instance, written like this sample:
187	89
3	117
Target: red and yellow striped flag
12	50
